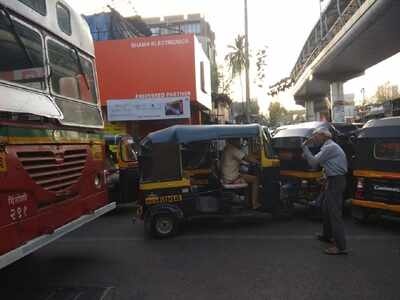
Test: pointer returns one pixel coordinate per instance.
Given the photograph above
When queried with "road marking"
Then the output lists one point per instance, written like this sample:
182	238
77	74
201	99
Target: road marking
107	293
232	237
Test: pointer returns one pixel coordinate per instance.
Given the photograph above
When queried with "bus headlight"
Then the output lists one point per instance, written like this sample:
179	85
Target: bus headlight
97	181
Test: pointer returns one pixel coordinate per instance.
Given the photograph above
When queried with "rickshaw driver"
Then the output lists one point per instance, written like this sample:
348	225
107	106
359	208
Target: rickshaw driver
231	160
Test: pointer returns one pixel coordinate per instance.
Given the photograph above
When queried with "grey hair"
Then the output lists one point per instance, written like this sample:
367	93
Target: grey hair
323	131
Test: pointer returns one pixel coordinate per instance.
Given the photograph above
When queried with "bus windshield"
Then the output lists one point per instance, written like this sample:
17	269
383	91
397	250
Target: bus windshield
21	52
72	74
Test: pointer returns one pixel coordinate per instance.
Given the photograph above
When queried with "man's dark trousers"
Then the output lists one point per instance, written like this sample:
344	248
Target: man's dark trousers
333	226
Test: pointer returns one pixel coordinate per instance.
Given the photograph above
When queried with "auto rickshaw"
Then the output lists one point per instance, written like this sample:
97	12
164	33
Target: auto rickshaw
377	169
300	182
180	176
122	168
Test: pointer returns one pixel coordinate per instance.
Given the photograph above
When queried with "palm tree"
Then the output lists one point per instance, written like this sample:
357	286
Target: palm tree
236	59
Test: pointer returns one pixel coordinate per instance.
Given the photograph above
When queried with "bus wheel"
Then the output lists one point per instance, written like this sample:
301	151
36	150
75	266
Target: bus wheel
163	225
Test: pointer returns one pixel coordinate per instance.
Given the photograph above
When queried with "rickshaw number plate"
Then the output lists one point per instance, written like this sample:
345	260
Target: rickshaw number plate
154	199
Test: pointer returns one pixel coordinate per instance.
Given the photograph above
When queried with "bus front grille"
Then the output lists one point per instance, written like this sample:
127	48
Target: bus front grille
54	171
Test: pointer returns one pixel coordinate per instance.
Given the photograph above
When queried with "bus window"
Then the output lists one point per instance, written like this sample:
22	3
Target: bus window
387	150
21	52
37	5
64	18
72	76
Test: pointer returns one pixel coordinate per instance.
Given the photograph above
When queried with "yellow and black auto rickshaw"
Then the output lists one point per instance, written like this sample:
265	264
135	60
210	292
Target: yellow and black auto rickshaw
122	168
300	182
180	176
377	169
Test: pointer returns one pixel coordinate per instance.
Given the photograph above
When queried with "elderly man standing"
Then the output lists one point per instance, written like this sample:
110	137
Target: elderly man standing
333	160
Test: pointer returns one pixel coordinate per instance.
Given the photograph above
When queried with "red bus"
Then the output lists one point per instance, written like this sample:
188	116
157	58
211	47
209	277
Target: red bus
52	177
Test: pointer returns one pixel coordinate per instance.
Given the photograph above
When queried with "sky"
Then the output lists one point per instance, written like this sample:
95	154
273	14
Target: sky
281	25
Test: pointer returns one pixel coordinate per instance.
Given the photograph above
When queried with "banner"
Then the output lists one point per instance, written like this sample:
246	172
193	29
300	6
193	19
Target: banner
115	128
148	109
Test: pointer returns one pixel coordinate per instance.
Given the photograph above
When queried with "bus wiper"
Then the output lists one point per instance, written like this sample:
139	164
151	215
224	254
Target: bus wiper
81	69
17	36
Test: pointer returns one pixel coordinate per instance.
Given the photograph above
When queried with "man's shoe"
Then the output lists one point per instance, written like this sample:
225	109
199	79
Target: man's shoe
324	239
335	251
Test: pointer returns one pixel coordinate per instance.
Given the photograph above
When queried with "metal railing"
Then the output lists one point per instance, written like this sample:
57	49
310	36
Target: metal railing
333	19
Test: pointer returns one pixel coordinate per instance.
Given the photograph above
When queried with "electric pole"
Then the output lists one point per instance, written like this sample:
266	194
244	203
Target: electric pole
247	65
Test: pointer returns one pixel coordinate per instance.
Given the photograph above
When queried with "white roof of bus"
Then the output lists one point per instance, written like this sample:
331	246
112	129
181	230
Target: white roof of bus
80	36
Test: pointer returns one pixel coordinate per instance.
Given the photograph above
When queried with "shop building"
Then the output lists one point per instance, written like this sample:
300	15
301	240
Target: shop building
149	83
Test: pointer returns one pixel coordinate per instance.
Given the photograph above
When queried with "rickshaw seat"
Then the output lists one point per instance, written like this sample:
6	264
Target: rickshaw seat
234	186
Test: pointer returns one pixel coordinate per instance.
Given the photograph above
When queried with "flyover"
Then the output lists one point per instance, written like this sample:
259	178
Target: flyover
351	36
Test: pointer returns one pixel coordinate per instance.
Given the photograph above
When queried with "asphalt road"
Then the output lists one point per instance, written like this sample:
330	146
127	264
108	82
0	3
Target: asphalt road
111	259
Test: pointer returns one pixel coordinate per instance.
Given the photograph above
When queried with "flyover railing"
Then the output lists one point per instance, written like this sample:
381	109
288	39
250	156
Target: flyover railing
333	19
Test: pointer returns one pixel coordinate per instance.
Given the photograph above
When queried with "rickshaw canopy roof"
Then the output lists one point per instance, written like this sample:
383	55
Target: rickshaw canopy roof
381	128
299	130
182	134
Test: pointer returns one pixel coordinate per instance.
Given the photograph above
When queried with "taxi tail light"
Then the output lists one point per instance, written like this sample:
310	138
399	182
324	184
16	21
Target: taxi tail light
360	188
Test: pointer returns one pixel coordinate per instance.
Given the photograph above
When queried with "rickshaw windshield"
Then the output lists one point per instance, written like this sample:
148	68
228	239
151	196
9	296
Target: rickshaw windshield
268	149
127	150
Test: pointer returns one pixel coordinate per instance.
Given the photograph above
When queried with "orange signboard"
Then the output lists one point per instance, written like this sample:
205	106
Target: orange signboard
151	67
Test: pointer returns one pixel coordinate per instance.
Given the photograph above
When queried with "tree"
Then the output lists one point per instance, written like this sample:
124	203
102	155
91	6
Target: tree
236	59
224	82
215	78
386	91
276	114
279	115
237	108
261	57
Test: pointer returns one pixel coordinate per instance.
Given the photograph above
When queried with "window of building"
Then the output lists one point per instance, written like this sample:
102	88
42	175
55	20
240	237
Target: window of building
37	5
202	78
196	28
184	28
21	52
387	150
64	18
72	76
155	30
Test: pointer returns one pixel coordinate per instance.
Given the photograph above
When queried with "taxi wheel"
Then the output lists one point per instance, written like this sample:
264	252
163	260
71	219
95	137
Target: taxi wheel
163	225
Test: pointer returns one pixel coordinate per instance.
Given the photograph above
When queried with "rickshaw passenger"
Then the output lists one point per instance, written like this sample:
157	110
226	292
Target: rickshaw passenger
231	160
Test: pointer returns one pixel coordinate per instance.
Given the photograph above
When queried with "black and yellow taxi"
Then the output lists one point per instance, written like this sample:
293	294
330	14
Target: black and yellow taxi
377	169
180	176
122	168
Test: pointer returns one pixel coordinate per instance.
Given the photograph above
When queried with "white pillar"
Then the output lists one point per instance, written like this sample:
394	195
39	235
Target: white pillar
310	112
337	102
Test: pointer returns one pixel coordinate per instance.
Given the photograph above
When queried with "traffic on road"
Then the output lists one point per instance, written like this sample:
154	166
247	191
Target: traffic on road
129	168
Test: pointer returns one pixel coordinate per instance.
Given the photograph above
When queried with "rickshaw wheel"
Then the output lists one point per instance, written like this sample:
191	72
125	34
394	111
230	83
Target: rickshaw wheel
163	225
284	210
363	216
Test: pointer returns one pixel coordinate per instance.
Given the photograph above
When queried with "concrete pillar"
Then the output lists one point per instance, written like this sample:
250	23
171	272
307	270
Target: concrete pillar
310	112
337	102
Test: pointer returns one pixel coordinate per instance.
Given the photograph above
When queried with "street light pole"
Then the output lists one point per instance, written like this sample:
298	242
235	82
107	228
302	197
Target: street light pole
247	66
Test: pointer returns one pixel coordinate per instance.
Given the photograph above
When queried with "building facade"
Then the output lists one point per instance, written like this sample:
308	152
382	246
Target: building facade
192	23
150	83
